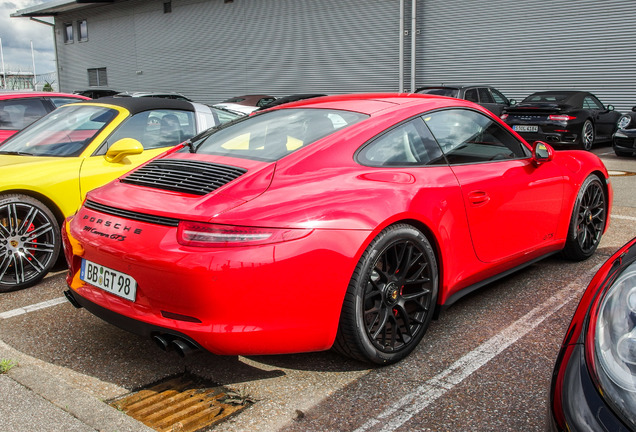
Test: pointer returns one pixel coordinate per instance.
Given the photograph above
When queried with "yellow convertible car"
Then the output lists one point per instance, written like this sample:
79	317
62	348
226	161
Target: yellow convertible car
47	169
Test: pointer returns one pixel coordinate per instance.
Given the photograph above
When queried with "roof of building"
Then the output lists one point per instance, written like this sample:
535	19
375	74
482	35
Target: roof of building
54	7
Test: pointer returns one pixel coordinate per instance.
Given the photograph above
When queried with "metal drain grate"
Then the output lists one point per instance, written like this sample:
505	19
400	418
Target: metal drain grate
185	404
616	173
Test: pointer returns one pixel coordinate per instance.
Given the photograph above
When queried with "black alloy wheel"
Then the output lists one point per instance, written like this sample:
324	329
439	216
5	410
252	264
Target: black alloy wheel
29	241
588	220
391	297
587	135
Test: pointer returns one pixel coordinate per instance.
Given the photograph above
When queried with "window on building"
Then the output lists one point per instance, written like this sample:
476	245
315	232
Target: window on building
82	31
68	33
97	77
167	7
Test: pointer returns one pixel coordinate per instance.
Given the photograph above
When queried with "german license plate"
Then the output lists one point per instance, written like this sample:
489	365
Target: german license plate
525	128
110	280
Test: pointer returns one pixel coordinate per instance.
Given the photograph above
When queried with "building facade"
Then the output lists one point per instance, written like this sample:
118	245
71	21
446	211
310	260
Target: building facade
210	50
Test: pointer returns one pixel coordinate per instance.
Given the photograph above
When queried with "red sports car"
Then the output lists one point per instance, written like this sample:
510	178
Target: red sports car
20	109
344	221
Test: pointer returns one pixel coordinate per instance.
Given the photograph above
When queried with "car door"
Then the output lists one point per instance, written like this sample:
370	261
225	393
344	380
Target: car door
604	119
156	130
487	101
512	206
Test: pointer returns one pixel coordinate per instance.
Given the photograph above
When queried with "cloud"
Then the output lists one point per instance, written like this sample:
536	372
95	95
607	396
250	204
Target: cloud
17	34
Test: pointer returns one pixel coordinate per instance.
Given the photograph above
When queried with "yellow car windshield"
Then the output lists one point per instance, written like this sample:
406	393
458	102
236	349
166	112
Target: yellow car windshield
67	131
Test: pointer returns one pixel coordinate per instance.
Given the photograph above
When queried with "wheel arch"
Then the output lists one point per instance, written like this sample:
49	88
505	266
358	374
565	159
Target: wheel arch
57	212
429	233
608	196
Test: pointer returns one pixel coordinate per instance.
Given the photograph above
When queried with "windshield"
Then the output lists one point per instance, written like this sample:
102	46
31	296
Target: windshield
67	131
275	134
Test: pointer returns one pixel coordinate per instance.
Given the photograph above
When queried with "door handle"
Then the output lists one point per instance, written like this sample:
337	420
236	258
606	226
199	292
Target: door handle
478	197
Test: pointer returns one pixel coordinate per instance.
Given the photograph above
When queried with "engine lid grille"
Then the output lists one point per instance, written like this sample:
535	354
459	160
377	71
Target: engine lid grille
192	177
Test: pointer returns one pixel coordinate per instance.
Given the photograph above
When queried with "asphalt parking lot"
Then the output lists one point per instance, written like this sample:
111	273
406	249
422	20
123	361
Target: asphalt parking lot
484	365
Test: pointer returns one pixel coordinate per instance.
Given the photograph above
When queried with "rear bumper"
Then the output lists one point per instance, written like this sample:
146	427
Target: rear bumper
123	322
271	299
555	134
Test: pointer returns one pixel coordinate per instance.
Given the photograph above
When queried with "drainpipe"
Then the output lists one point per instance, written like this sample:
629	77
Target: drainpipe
413	34
401	50
4	73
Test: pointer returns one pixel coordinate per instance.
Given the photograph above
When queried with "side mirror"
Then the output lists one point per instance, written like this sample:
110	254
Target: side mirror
610	107
513	102
542	152
122	148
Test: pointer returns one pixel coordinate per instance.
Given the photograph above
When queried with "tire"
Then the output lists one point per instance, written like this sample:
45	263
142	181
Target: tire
29	241
587	135
588	220
391	297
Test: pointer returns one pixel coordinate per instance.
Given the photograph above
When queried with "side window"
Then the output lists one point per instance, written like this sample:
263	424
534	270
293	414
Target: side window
471	95
19	113
498	97
265	101
155	129
468	137
592	103
408	144
485	96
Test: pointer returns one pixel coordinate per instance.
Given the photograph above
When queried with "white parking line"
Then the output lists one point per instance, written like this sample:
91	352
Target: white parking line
414	402
623	217
31	308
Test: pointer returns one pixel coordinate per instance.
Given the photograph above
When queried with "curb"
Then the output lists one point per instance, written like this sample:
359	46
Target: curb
85	407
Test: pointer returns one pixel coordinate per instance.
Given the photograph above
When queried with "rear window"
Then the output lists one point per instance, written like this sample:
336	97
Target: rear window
548	97
450	92
273	135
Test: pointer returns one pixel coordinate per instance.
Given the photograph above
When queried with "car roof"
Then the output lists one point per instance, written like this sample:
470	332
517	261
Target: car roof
136	105
370	103
563	92
29	94
453	86
569	95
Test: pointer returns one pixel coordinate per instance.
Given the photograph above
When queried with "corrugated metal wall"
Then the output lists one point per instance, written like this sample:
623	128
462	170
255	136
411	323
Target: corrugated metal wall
531	45
210	50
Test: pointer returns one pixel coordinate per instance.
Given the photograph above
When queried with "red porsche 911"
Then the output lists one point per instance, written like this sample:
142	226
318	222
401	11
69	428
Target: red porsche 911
343	221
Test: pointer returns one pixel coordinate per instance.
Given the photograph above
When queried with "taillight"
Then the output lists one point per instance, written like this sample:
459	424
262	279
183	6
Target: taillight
561	117
203	234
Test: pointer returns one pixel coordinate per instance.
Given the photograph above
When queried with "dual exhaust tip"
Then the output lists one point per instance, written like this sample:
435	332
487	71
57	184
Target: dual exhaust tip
169	342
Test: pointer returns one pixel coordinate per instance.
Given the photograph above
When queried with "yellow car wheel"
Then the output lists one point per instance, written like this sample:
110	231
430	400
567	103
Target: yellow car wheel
29	241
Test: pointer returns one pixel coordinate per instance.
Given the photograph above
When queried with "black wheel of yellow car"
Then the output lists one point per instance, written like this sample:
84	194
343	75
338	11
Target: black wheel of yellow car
29	241
391	297
588	220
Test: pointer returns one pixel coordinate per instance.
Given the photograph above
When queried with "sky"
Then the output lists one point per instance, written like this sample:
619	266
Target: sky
16	35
